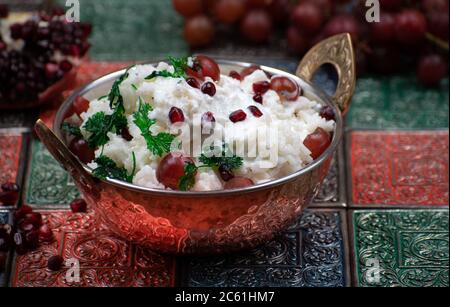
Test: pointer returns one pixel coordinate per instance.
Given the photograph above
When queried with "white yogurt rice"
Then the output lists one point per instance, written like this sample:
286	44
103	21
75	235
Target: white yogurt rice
294	121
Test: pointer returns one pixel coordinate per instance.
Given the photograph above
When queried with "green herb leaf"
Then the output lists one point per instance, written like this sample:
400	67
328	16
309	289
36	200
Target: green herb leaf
179	65
187	181
225	159
71	129
107	168
158	144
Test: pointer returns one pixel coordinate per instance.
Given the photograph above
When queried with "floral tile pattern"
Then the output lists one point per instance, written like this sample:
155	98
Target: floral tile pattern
104	260
311	253
47	183
399	168
408	248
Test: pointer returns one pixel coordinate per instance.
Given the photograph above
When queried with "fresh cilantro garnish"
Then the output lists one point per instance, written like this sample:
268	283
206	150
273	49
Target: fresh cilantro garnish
225	159
179	65
187	181
157	144
134	87
100	124
107	168
71	129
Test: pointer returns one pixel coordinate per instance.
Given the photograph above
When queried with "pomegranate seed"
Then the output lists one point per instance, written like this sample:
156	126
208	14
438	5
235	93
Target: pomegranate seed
22	212
34	218
261	87
258	98
45	233
55	263
327	112
80	105
16	31
9	194
225	173
50	70
238	116
193	82
209	89
235	75
65	66
126	134
255	111
208	117
26	226
78	205
74	51
176	115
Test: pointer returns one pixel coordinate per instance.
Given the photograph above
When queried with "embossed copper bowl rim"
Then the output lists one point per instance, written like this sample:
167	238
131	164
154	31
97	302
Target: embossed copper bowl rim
306	86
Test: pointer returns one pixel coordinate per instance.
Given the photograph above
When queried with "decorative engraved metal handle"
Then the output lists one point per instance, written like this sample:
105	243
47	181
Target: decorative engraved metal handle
63	155
338	51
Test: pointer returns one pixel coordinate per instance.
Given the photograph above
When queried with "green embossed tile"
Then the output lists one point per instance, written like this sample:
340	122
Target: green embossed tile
47	183
398	102
133	29
407	248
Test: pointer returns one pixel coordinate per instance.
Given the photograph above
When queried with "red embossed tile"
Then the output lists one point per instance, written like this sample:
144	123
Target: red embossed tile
105	260
88	71
399	168
10	149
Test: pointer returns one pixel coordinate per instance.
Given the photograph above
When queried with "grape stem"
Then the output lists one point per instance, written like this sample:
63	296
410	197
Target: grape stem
437	41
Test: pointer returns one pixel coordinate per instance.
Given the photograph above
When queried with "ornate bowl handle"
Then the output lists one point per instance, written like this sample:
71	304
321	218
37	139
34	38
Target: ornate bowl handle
63	155
338	51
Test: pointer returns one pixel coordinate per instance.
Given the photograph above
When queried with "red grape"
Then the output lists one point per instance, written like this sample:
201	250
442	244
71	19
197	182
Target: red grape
308	17
431	6
171	169
285	87
317	142
384	59
438	23
297	42
199	31
81	149
432	69
238	182
327	6
411	26
257	3
256	26
188	8
229	11
343	24
204	66
279	10
383	31
249	70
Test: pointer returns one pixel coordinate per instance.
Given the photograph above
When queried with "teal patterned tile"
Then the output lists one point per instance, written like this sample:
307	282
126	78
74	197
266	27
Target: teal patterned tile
398	103
133	29
406	248
47	183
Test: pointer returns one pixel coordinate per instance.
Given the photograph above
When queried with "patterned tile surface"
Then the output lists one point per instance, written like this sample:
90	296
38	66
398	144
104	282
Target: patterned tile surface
398	102
104	259
10	119
10	148
311	253
47	183
399	168
401	248
146	30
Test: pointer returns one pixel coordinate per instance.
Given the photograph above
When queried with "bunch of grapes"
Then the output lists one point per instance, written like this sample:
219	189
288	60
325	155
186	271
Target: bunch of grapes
37	53
409	34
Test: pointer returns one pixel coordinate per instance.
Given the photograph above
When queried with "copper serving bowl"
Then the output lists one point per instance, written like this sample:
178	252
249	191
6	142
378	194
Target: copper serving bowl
218	221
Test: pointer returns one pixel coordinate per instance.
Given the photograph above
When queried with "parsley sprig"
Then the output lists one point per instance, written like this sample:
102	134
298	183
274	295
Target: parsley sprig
100	123
107	168
158	144
179	65
209	160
